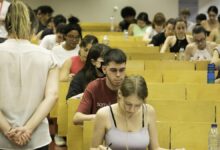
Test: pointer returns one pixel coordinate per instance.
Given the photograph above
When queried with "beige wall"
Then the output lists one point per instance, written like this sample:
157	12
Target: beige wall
101	10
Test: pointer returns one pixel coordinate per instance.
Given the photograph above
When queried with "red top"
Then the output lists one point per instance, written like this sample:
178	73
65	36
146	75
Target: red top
77	64
96	95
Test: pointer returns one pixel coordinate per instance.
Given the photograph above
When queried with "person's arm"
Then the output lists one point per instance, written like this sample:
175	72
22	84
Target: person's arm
4	124
99	128
188	52
79	118
215	58
212	36
130	29
166	44
51	95
84	109
65	71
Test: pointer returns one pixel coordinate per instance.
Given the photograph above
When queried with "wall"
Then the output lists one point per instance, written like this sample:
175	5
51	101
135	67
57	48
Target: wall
101	10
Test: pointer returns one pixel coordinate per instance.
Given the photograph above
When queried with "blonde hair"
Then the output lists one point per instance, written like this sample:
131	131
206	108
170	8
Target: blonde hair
18	20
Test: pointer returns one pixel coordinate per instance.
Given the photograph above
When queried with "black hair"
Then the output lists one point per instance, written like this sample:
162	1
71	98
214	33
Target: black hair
213	9
45	9
73	20
60	28
59	19
71	27
88	39
96	51
199	29
115	55
128	11
144	17
201	17
171	21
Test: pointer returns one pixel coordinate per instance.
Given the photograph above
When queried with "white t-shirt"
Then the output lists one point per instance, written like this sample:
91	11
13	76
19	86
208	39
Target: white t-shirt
150	32
3	12
24	71
62	54
49	42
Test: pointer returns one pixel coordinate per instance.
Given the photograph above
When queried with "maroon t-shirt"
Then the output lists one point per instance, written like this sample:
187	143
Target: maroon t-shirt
96	95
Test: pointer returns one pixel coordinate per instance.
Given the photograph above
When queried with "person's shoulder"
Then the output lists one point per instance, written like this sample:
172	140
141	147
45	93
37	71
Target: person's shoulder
150	109
96	84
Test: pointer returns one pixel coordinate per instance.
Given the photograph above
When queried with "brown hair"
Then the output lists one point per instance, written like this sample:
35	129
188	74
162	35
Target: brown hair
159	19
134	84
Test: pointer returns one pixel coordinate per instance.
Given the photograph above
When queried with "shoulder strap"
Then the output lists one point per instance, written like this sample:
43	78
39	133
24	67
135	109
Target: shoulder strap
113	117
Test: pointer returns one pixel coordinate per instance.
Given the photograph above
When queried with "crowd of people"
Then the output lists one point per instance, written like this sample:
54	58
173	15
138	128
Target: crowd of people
30	74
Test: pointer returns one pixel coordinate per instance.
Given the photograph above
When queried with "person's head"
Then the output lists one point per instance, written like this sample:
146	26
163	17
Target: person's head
94	61
128	14
59	19
20	25
200	17
132	94
159	22
44	13
85	45
180	27
73	20
72	35
60	30
199	36
212	13
185	14
143	20
169	27
114	68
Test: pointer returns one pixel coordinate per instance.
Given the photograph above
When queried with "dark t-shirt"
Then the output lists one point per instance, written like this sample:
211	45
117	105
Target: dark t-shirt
158	39
218	75
96	96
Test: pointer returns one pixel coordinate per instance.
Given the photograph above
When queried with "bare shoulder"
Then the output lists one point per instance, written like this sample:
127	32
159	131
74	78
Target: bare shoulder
102	112
150	109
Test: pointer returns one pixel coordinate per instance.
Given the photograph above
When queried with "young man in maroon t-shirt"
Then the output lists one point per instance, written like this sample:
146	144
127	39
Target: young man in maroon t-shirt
103	91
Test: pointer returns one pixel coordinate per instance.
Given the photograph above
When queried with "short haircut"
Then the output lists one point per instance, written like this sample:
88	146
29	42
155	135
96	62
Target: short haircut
114	55
71	27
185	11
45	9
60	28
201	17
159	19
128	11
171	21
198	29
59	19
144	17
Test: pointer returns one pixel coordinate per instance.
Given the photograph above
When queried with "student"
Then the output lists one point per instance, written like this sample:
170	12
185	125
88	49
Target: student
212	22
179	40
90	71
128	14
160	38
72	36
130	123
158	25
74	64
185	14
200	49
29	84
215	34
139	28
103	91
